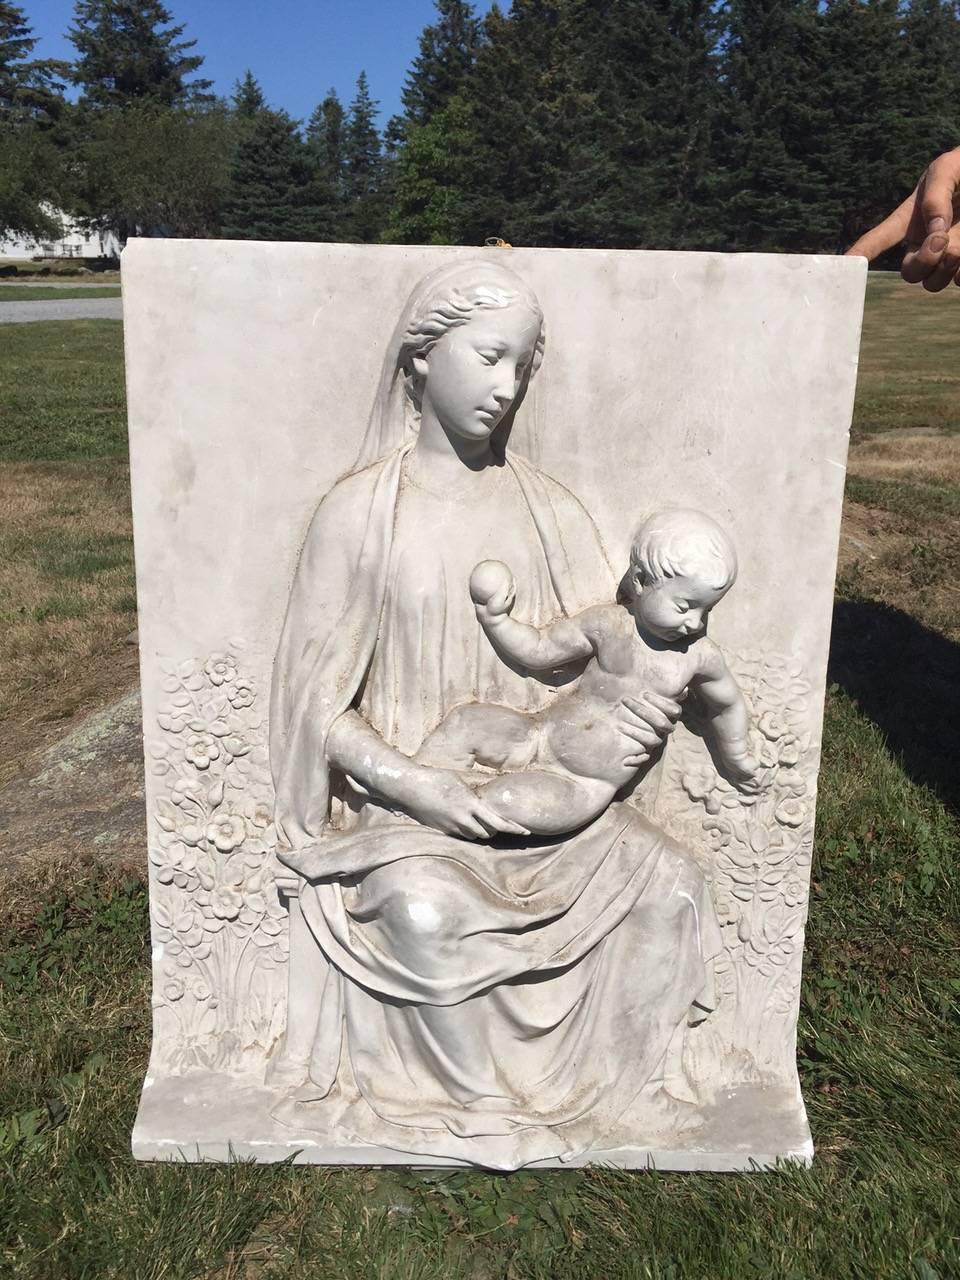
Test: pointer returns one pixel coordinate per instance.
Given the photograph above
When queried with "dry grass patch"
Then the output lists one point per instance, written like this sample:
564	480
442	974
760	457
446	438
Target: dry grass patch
930	457
66	572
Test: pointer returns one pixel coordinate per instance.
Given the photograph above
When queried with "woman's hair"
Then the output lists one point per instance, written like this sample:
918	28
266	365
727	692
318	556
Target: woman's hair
674	544
492	288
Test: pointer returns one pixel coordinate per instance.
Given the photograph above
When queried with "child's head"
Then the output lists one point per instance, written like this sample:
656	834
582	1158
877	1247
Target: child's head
681	564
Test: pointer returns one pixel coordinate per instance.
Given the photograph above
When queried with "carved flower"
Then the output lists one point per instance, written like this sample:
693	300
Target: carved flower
793	893
718	833
258	813
226	831
241	694
789	751
200	990
772	726
187	790
225	903
700	784
221	668
201	750
174	989
790	812
236	745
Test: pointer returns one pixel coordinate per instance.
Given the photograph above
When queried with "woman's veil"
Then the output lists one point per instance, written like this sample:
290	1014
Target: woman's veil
394	420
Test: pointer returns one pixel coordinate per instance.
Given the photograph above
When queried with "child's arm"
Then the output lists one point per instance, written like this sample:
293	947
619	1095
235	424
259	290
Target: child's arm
539	648
729	718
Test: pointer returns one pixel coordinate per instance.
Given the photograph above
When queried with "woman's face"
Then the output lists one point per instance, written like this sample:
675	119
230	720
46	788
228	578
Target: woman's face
473	374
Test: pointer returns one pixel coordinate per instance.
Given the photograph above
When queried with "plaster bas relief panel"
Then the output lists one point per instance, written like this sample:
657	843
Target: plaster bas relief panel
435	548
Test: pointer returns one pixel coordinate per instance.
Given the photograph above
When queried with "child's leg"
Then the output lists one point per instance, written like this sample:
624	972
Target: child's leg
481	733
547	803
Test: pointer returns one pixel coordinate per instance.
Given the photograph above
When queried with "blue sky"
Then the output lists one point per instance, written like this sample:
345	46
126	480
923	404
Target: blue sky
297	49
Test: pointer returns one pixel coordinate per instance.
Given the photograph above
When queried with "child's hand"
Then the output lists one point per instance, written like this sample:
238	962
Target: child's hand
492	589
745	774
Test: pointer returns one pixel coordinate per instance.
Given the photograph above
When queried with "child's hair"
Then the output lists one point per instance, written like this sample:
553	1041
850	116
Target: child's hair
674	544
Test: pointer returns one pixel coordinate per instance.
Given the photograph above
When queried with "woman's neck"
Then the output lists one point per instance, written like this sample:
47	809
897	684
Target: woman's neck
440	458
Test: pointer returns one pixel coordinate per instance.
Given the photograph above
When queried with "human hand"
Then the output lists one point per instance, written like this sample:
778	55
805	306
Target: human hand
646	723
744	772
928	222
493	590
440	798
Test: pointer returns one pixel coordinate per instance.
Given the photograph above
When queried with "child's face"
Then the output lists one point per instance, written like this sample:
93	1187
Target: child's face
676	608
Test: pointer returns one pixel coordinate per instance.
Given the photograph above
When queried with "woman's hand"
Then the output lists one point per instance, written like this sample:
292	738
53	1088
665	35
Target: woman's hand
646	723
928	222
439	798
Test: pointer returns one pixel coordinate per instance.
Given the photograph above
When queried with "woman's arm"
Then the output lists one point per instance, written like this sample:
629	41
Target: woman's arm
436	798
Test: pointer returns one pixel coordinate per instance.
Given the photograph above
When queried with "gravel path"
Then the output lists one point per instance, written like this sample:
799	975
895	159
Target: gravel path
62	309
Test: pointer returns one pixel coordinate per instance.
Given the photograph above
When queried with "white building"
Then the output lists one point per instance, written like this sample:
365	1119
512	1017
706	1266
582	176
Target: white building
75	242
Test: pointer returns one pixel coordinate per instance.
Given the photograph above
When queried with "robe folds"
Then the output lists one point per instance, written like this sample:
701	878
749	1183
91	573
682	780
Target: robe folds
498	1003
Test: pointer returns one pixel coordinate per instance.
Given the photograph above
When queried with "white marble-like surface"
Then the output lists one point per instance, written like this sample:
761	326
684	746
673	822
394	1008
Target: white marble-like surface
716	383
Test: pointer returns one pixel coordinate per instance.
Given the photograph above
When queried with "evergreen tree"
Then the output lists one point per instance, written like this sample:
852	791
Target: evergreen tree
247	98
774	193
431	175
128	52
868	151
448	50
30	104
30	89
326	138
362	167
273	192
931	40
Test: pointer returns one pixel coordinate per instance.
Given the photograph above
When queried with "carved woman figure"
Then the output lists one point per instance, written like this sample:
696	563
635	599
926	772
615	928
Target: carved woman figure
457	990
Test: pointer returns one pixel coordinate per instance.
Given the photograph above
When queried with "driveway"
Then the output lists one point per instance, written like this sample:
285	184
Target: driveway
62	309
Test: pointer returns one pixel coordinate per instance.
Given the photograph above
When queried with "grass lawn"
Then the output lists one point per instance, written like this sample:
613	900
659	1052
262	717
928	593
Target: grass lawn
44	293
879	1037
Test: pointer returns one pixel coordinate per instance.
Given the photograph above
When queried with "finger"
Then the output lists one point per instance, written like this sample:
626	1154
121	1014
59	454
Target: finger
497	823
941	185
634	762
948	266
650	717
470	830
643	735
920	263
887	233
673	707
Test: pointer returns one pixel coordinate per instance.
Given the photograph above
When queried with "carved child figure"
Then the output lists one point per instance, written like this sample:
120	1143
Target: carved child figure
561	767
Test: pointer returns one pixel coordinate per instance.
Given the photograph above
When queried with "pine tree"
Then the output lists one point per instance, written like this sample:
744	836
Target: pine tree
326	138
774	192
868	152
128	52
248	99
931	41
448	50
30	89
273	192
30	104
363	167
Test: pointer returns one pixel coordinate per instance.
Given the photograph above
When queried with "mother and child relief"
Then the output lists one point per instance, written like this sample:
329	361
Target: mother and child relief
522	928
477	888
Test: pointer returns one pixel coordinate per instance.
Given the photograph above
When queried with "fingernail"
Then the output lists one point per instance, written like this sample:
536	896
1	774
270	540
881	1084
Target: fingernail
936	224
938	244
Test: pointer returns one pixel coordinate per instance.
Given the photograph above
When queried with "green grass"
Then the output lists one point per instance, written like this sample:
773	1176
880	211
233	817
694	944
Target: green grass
909	370
61	387
916	501
879	1034
879	1051
43	293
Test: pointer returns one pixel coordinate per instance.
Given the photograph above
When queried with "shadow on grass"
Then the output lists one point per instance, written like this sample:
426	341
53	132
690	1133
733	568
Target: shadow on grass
906	679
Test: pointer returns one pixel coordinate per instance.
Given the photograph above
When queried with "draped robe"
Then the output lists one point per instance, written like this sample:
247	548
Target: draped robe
499	1002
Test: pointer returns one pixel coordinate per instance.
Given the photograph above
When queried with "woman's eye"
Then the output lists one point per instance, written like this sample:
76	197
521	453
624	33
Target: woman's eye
489	357
681	606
